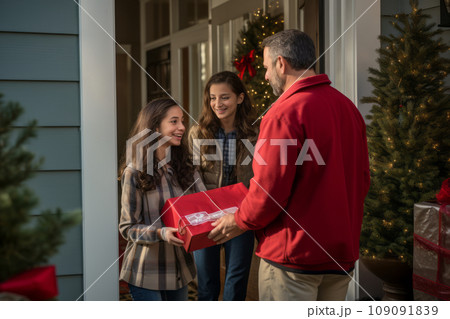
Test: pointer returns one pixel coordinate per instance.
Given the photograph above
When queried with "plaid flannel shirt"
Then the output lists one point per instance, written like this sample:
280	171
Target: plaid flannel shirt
228	145
149	262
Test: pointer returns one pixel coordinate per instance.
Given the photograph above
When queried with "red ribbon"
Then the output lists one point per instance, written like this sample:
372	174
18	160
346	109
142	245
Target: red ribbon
444	194
430	287
246	63
35	284
428	245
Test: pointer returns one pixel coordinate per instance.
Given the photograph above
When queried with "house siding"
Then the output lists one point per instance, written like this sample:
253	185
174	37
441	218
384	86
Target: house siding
39	68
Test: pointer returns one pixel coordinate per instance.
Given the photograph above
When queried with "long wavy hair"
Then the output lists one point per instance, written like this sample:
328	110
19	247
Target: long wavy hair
150	117
246	115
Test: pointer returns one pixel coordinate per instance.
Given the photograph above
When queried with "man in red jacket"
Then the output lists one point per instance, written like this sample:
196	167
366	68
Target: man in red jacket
306	198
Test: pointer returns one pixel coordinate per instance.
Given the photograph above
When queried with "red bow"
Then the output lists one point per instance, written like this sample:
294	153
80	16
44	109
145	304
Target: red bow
444	195
246	62
35	284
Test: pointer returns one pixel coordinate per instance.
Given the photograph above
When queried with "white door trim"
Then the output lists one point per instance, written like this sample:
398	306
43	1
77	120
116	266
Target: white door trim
98	151
348	60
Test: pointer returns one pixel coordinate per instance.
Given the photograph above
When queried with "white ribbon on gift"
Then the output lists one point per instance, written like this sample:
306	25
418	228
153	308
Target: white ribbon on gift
199	218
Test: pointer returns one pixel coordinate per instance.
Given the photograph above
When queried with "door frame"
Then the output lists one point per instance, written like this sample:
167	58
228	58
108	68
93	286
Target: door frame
98	151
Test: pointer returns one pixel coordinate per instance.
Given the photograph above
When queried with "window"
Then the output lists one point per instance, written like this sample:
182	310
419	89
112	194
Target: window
158	66
157	22
191	12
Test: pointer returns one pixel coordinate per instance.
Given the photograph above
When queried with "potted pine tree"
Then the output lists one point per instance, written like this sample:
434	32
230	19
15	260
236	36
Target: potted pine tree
408	142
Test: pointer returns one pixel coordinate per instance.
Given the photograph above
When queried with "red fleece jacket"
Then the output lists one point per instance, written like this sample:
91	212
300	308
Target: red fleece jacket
308	215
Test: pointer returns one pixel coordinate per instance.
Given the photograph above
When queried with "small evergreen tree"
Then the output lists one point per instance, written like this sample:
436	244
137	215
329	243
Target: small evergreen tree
25	242
408	136
251	37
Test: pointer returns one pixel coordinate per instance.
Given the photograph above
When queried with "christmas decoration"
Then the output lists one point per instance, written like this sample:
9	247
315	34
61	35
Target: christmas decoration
409	146
36	284
443	196
25	242
251	36
431	262
246	63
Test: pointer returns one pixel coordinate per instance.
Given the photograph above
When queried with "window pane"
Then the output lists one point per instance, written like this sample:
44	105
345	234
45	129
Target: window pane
194	76
158	66
224	51
192	12
157	17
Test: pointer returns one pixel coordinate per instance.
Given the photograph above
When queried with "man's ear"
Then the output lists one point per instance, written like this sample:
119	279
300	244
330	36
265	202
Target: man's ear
283	64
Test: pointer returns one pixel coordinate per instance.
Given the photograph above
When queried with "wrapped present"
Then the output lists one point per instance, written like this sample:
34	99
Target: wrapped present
431	263
193	214
35	284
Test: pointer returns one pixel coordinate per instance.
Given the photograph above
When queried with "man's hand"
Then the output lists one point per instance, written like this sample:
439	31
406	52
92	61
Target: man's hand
225	229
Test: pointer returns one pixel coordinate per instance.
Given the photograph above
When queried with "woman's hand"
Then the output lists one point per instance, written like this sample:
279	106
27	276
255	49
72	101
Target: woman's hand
168	234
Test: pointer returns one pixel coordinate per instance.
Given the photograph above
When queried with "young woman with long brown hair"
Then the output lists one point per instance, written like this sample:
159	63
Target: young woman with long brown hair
155	264
227	117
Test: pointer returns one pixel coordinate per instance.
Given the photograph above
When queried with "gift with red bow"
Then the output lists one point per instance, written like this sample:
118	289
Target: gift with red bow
431	261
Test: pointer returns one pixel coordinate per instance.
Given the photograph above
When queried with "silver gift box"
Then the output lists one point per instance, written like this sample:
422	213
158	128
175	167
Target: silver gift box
426	261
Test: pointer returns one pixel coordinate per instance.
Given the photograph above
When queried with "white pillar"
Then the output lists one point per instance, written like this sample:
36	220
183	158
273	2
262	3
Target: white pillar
98	142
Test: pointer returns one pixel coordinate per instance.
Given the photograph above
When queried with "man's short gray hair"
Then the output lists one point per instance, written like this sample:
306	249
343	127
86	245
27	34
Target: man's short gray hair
293	45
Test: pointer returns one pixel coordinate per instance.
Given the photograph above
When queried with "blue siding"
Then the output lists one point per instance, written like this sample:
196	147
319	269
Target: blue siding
39	68
57	189
42	16
40	57
70	287
69	260
60	148
50	103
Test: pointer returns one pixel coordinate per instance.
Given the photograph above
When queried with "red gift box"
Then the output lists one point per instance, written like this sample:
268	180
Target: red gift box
35	284
193	214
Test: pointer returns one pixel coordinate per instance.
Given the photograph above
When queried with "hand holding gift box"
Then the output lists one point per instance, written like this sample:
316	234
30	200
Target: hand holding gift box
193	214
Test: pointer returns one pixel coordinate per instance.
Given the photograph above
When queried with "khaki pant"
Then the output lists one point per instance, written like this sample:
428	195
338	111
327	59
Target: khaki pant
277	284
